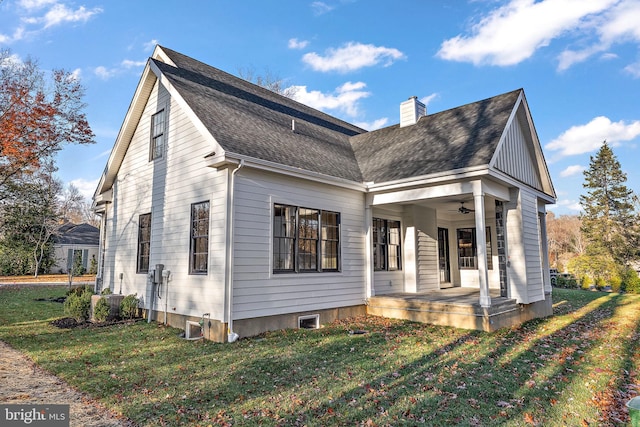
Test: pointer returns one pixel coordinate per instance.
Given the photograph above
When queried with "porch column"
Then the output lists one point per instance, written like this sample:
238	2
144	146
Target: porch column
544	250
481	248
368	219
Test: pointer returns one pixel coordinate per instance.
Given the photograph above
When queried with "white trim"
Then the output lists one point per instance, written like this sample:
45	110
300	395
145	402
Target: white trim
221	161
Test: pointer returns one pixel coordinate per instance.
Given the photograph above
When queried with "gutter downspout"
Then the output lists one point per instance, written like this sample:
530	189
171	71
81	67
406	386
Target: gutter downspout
231	336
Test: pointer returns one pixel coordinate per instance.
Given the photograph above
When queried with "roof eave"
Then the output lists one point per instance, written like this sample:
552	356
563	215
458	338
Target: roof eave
129	125
225	160
430	179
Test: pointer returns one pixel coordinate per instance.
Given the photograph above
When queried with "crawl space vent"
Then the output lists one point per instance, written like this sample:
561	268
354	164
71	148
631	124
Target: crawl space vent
309	322
192	330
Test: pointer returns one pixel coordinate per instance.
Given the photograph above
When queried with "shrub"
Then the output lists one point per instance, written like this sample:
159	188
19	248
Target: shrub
78	305
101	310
79	290
106	291
586	282
600	282
129	306
567	282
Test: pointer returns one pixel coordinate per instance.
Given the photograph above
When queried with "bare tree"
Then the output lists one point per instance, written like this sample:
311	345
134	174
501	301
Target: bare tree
565	239
268	80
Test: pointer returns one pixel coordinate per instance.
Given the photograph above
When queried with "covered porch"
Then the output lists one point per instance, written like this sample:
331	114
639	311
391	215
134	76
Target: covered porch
458	307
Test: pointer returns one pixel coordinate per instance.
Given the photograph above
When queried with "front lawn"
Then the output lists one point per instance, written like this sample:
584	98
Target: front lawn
576	368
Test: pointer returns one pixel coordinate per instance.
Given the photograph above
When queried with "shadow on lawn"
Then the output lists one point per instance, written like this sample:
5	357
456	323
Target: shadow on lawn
397	373
453	383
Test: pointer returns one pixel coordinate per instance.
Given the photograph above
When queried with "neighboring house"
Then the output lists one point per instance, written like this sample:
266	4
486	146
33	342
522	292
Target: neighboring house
75	241
266	213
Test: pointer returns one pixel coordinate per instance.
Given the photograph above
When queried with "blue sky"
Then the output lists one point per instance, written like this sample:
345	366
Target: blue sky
577	60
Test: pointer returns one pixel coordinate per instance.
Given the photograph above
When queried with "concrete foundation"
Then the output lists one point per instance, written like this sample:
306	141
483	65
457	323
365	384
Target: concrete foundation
215	330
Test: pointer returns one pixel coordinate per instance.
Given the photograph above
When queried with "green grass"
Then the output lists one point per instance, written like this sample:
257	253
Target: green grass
576	368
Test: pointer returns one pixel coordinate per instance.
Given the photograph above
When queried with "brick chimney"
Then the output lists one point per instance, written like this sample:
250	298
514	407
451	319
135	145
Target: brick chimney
411	110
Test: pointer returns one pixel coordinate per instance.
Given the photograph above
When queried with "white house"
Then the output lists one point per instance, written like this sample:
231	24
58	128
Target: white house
265	213
75	242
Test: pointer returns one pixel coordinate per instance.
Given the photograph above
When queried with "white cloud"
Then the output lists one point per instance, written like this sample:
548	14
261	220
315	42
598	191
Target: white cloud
427	99
297	44
633	69
86	187
512	33
618	24
59	14
345	98
106	73
127	63
352	56
571	170
589	137
569	204
150	45
320	8
31	5
376	124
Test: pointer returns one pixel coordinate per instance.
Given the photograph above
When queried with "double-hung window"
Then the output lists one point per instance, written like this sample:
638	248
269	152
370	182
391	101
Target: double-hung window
305	240
467	249
157	135
144	243
387	254
199	248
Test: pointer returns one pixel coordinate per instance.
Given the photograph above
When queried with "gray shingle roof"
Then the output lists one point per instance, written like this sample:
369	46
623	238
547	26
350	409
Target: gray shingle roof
462	137
249	120
80	234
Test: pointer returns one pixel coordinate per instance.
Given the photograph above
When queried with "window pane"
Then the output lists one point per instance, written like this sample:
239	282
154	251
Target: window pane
157	134
394	245
199	256
144	243
330	240
284	220
467	248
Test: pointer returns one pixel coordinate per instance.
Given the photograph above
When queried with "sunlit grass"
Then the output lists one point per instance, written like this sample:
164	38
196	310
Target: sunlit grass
578	367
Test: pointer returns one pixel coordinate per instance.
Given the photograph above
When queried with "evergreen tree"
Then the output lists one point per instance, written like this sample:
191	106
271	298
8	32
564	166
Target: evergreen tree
609	221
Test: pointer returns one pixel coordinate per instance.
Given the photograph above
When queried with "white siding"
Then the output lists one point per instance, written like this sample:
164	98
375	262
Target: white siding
259	292
167	187
531	235
525	272
427	249
516	157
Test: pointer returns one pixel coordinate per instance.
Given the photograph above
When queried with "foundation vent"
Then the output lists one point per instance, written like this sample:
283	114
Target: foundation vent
311	321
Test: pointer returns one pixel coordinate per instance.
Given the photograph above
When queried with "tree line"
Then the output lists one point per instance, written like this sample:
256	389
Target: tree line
40	113
601	246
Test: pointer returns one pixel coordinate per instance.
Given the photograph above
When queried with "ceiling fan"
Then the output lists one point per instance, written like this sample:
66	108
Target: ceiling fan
464	210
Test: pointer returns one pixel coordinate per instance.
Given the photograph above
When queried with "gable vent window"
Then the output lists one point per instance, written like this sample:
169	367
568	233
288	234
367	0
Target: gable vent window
158	121
305	240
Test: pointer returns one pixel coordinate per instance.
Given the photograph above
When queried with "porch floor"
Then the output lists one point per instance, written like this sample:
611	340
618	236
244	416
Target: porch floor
453	295
458	307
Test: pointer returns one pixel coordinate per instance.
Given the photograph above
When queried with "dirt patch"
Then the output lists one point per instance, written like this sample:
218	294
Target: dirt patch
23	382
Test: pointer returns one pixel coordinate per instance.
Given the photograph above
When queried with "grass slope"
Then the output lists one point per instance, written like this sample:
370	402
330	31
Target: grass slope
576	368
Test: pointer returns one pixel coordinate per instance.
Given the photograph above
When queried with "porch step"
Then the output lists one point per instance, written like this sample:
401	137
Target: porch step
463	313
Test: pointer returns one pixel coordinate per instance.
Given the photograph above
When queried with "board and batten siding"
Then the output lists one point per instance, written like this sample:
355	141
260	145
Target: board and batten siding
166	187
257	290
525	272
516	157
